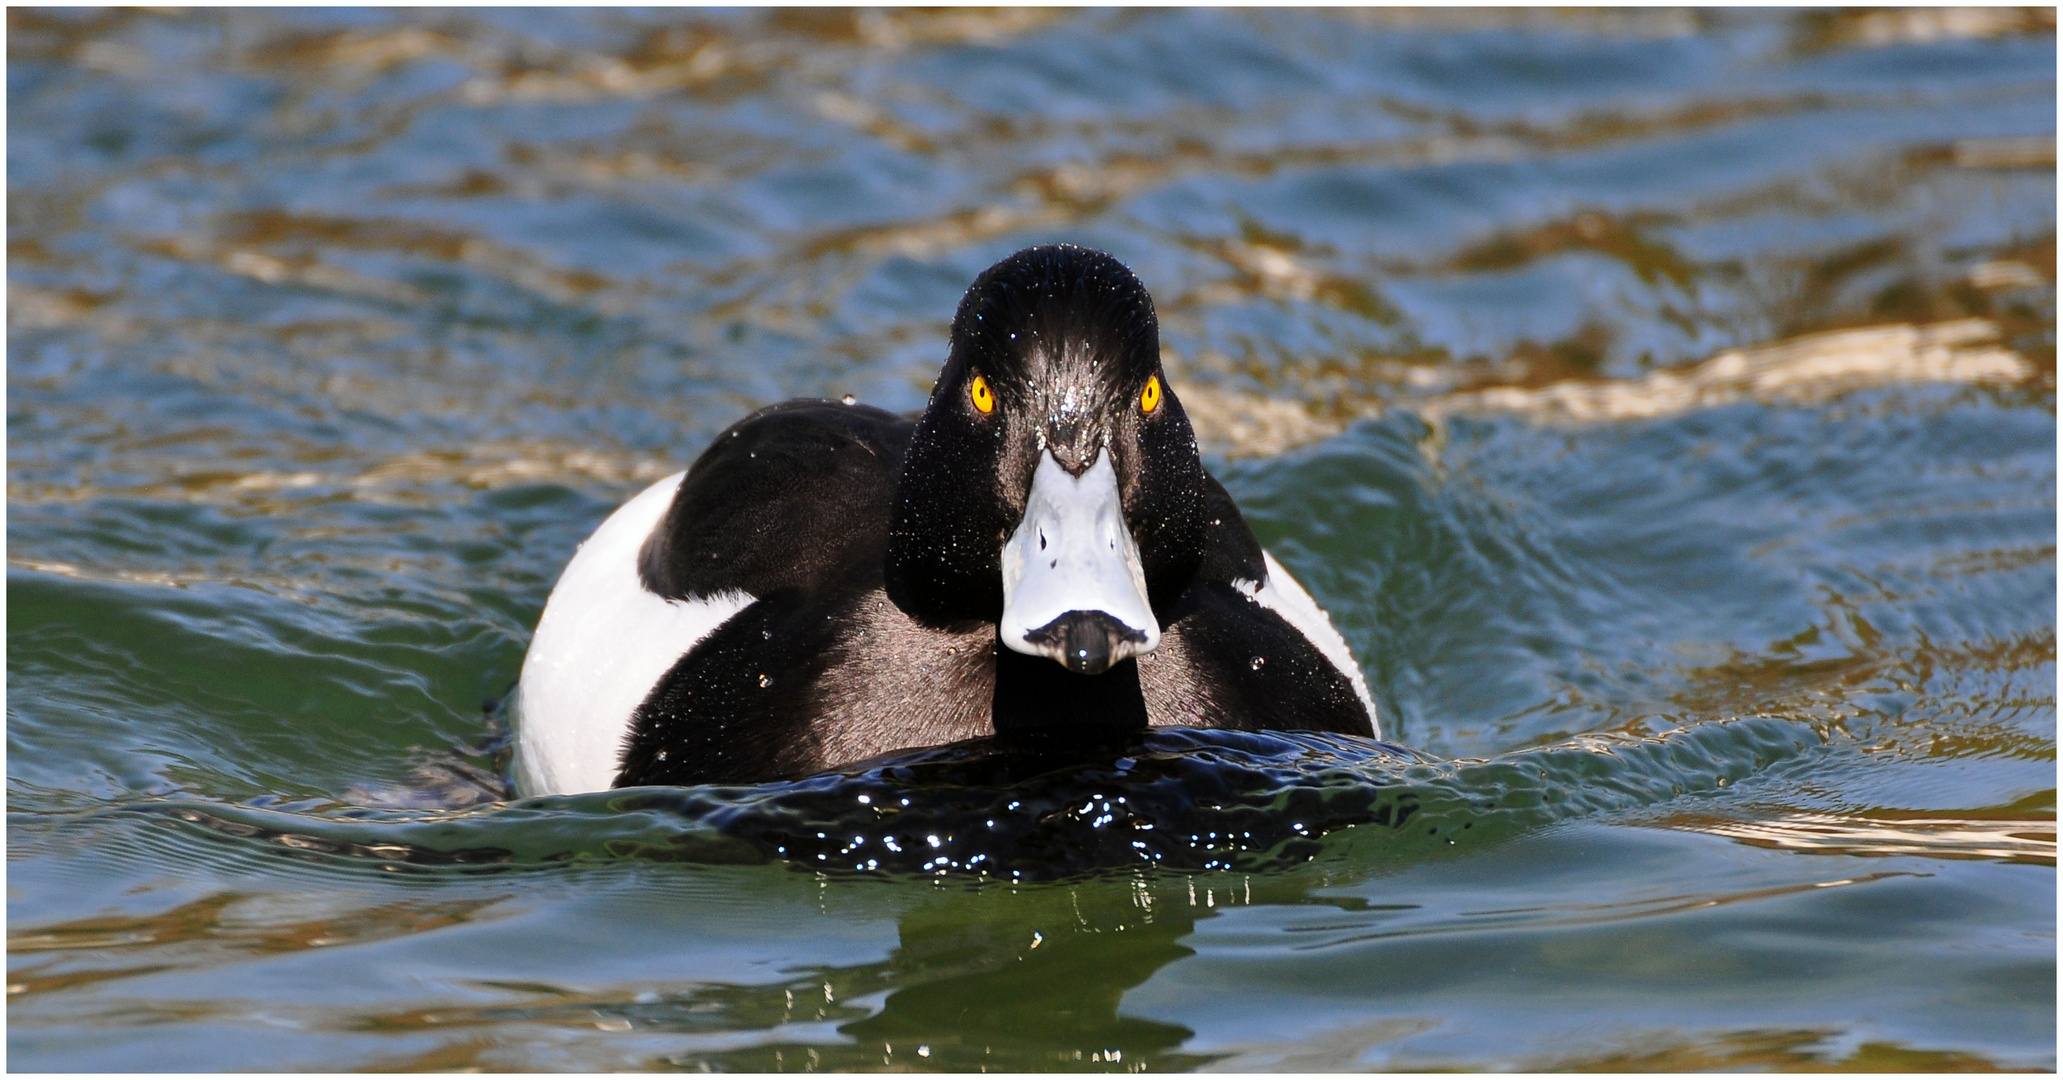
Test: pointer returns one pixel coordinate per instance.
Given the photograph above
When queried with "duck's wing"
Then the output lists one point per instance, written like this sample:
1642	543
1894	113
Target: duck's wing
794	497
786	516
1247	647
786	504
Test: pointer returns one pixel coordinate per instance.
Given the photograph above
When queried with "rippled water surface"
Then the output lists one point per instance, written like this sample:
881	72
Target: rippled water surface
1663	405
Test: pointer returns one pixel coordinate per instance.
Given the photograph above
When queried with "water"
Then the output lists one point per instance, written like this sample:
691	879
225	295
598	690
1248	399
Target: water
1663	405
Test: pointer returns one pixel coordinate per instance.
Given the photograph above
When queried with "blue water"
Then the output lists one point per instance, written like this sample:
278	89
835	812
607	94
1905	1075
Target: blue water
1662	404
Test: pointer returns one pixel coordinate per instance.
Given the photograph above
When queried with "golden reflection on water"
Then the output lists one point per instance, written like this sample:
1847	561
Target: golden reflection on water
1808	370
218	929
277	247
1797	677
1805	1050
2029	839
217	921
1570	915
1360	1048
1936	332
400	480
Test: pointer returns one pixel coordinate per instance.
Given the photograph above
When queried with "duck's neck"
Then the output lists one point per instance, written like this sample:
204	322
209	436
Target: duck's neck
1034	694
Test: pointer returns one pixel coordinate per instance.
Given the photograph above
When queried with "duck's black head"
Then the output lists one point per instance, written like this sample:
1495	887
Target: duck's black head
1053	485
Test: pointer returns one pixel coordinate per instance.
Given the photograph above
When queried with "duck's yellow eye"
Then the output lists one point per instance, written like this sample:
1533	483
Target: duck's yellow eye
983	397
1149	398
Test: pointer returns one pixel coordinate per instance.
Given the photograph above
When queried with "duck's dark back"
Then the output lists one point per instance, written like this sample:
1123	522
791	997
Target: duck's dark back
794	497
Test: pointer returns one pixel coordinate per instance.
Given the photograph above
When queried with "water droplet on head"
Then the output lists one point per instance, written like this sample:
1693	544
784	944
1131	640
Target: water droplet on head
766	681
1259	661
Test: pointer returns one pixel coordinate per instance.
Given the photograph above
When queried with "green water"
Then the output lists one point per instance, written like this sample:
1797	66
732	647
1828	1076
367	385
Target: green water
1728	684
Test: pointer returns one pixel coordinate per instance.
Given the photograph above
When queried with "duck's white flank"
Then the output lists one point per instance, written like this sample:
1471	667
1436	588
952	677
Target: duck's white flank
1282	595
601	646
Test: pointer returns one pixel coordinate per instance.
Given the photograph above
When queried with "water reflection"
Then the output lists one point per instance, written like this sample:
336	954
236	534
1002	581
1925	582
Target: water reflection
1775	1050
967	985
999	977
221	929
986	978
2018	835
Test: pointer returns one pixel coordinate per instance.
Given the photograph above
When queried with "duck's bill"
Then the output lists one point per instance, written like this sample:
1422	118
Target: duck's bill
1073	586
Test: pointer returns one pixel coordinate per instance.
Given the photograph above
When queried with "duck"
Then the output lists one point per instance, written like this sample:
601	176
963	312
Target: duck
1039	552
